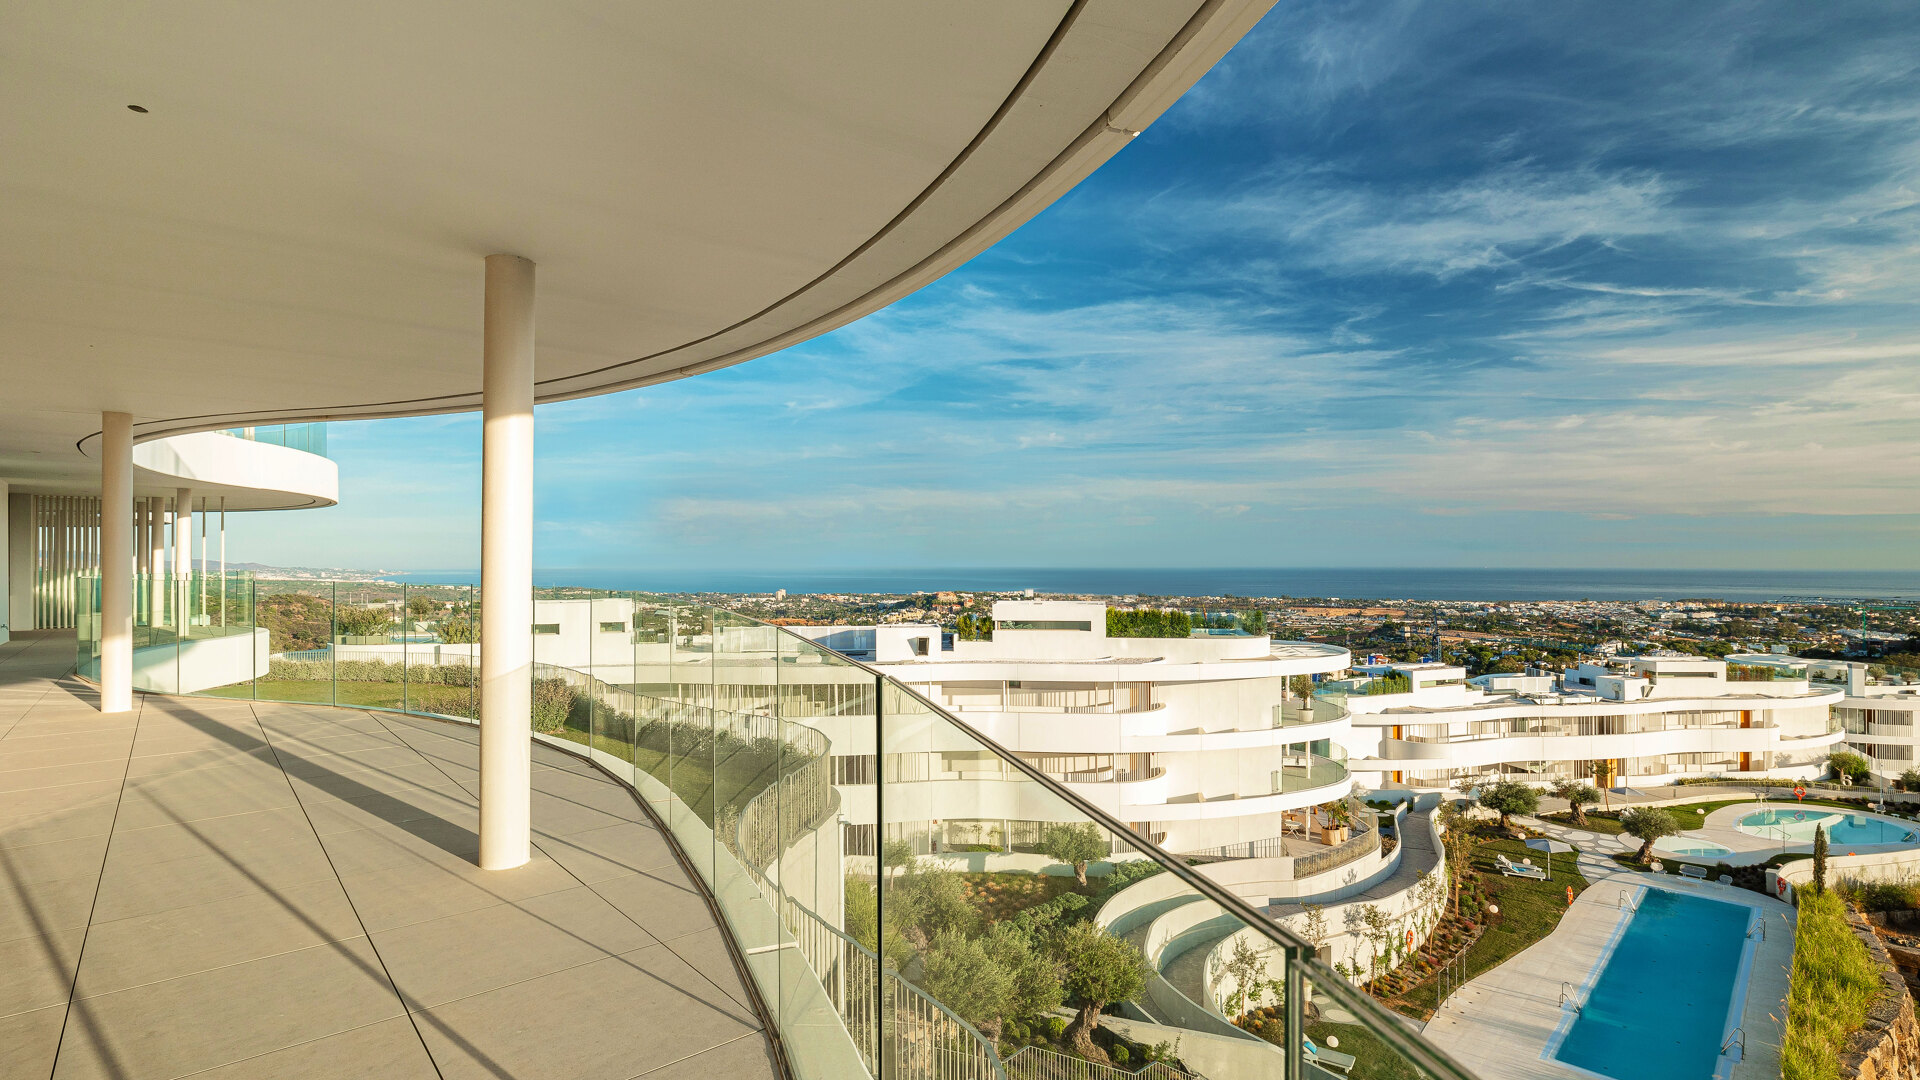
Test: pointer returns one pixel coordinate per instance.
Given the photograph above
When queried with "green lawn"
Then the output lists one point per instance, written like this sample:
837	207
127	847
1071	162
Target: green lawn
315	691
1375	1060
1529	910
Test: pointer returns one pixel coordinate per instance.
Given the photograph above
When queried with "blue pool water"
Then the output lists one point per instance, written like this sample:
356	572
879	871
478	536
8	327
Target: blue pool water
1686	845
1659	1009
1796	824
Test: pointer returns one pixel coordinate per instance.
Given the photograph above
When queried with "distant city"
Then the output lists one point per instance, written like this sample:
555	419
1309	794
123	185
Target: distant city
1484	635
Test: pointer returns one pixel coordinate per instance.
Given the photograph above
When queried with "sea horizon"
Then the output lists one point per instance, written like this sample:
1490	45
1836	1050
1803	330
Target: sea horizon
1357	583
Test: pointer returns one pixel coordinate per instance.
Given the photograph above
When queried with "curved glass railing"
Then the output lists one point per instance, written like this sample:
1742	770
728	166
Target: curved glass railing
909	898
309	437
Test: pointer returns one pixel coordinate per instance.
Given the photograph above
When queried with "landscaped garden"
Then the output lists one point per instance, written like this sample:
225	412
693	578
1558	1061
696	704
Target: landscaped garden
1831	986
1528	910
1006	951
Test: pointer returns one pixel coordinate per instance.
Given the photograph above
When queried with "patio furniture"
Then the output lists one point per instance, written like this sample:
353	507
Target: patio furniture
1696	872
1550	846
1508	868
1330	1059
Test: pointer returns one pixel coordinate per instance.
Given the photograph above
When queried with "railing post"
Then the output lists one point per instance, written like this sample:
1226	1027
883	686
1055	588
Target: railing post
1296	1012
880	1047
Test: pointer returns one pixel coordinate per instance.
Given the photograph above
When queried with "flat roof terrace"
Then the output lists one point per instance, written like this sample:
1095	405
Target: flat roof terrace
228	888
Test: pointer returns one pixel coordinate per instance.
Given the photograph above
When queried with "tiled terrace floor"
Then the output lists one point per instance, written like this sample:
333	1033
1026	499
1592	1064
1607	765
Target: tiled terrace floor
228	889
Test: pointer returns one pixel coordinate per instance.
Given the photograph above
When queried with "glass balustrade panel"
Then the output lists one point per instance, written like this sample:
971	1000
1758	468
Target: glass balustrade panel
298	618
369	658
824	859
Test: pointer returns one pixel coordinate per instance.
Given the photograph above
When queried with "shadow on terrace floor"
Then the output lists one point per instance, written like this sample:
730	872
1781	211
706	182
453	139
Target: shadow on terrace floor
229	888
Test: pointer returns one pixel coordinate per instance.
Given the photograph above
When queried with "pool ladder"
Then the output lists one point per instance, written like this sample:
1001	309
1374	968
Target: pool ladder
1759	927
1736	1037
1626	901
1566	996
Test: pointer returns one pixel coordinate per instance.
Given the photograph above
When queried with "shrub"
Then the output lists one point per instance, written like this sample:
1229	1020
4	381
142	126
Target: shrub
1120	1054
1910	780
1016	1031
1833	983
1900	895
552	704
1056	1026
1148	624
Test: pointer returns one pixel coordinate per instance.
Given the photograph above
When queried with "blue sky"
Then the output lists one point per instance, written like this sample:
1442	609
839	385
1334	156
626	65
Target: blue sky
1396	284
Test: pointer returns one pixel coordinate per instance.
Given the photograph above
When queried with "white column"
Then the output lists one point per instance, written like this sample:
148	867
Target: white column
223	561
182	557
506	565
156	558
116	562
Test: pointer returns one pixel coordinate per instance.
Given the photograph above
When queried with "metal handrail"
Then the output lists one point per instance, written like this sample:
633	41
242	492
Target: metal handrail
1300	953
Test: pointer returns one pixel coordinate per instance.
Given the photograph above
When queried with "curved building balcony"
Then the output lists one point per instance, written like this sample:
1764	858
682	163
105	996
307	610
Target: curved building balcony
1120	789
1316	780
1471	753
241	472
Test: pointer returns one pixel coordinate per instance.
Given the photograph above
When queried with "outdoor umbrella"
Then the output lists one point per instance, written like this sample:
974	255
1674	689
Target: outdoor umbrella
1549	846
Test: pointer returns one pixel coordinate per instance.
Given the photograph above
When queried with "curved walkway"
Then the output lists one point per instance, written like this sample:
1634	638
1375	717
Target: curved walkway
216	888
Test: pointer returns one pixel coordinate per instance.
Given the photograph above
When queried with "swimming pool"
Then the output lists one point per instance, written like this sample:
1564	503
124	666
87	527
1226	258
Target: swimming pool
1687	845
1796	824
1664	1001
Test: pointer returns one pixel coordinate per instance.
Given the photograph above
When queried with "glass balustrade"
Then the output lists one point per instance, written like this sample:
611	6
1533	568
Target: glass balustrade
826	808
311	438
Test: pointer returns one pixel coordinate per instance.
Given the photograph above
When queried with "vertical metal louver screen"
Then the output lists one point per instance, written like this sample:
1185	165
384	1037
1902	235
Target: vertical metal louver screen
66	547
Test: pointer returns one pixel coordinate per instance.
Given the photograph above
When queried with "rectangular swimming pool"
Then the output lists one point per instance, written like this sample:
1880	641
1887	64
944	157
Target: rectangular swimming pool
1659	1009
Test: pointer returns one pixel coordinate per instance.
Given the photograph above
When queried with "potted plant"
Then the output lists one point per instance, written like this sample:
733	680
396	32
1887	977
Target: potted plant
1339	819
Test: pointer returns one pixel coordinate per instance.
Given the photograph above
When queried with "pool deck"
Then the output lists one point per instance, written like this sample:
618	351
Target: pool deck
1500	1024
215	888
1746	848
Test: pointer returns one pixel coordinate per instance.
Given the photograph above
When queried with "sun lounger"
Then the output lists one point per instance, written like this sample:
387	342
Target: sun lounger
1328	1059
1509	868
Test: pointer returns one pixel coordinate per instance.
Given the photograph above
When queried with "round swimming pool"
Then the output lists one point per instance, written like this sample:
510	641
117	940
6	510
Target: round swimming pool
1687	845
1796	825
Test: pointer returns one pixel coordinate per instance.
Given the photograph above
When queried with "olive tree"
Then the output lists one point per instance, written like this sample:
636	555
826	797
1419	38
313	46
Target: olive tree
1647	824
1507	798
1245	965
1100	970
1848	766
1076	845
1579	795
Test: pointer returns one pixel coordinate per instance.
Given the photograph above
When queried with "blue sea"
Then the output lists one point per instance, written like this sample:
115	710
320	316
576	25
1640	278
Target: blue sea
1346	583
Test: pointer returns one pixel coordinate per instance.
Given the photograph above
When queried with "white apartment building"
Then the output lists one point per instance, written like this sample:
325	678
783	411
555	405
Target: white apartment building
1198	743
1880	718
1654	719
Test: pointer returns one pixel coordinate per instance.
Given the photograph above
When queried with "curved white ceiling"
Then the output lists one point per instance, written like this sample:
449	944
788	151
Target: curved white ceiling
295	228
